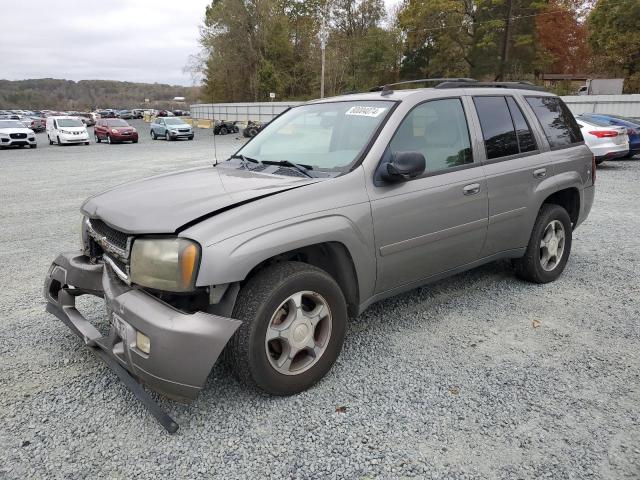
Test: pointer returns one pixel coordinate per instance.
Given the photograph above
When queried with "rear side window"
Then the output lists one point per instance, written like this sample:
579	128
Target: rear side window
559	126
526	142
499	134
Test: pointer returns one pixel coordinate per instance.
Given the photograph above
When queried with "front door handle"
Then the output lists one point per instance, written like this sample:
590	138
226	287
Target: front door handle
471	189
540	173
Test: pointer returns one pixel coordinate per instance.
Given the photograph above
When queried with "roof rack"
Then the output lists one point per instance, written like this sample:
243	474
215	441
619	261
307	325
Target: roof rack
522	85
387	90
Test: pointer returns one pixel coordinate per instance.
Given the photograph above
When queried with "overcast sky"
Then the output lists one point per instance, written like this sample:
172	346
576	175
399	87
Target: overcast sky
138	41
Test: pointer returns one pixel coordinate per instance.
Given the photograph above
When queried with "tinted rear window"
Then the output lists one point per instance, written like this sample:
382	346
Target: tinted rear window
557	121
497	128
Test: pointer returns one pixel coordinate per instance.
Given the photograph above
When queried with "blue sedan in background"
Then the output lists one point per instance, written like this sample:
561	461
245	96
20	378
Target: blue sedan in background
632	125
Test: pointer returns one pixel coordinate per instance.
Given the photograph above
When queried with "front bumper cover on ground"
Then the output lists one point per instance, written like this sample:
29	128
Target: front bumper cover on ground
184	347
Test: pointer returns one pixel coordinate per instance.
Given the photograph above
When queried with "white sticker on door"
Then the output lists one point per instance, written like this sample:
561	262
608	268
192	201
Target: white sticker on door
365	111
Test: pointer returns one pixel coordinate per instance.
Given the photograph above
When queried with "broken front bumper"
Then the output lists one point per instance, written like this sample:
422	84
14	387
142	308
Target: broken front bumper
183	347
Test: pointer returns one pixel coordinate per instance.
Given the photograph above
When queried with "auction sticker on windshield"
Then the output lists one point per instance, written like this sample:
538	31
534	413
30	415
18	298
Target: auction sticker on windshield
363	111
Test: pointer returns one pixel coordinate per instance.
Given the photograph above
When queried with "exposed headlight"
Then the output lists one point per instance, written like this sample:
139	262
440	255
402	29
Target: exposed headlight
169	264
113	130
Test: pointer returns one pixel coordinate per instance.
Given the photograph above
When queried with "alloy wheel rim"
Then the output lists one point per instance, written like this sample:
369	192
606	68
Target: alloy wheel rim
552	245
298	333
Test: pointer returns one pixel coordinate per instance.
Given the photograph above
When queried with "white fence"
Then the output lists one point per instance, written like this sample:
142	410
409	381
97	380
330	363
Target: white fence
258	111
625	105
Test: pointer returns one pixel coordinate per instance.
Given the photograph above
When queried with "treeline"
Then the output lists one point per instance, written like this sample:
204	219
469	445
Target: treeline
54	94
253	47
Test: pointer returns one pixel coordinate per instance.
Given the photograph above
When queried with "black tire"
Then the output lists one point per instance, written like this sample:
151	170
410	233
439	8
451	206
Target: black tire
153	135
253	132
223	131
33	146
50	141
87	143
97	138
529	267
256	304
58	138
135	141
191	137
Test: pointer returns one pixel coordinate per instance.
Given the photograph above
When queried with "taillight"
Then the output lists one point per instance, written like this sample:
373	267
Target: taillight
604	133
593	169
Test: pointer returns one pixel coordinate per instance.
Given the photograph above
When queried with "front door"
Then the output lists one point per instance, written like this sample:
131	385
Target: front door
438	221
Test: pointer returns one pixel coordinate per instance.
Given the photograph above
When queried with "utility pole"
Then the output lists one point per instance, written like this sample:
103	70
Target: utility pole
323	34
504	58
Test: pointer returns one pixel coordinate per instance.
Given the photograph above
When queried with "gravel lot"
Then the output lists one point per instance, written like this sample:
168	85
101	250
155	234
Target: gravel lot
478	376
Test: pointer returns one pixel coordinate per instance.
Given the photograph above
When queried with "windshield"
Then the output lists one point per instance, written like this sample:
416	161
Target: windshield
117	123
11	124
173	121
323	135
69	122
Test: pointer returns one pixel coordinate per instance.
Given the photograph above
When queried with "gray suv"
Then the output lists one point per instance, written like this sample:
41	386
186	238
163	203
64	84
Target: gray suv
337	204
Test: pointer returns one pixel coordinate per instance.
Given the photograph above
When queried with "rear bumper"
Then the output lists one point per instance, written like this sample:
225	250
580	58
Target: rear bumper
184	347
588	195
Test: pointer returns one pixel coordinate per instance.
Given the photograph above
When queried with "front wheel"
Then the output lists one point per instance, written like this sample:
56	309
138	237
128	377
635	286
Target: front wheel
549	246
153	135
97	138
294	321
33	145
50	141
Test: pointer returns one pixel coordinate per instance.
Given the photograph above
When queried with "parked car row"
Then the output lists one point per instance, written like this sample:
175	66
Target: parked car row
610	136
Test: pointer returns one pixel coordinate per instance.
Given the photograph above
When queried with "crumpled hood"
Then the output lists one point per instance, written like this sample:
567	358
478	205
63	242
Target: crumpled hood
164	203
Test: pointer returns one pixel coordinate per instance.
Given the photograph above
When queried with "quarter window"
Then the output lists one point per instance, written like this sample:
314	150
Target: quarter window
559	126
437	129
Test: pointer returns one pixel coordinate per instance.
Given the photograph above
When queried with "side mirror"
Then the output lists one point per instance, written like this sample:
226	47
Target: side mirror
404	166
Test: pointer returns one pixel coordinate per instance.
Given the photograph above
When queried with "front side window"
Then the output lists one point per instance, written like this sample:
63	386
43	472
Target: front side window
324	136
437	129
557	121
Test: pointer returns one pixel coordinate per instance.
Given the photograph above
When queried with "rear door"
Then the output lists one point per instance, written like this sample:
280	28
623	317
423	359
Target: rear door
514	166
436	222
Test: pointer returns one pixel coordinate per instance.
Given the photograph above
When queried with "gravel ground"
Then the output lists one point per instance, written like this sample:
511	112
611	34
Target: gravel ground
477	376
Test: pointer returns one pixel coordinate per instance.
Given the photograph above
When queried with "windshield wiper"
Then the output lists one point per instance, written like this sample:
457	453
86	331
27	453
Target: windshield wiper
304	169
245	160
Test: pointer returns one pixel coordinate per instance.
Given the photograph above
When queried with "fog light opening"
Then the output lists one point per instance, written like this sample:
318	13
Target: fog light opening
143	343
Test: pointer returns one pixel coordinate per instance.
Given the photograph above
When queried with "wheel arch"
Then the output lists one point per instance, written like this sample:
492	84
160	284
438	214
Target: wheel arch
569	199
333	257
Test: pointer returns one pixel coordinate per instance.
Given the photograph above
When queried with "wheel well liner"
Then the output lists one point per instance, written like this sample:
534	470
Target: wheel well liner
569	199
332	257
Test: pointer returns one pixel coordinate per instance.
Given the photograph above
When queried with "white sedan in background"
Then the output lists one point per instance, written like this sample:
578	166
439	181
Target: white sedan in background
605	141
14	133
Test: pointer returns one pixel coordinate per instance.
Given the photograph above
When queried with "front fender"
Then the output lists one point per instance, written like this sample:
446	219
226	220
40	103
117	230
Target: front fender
231	260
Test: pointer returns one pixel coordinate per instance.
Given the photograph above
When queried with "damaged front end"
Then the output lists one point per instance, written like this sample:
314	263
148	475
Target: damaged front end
149	340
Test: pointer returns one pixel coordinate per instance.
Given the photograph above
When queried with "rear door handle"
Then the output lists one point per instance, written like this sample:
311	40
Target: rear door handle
471	189
540	173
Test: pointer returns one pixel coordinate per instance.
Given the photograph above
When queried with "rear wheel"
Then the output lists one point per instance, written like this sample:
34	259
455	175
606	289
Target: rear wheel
549	246
294	321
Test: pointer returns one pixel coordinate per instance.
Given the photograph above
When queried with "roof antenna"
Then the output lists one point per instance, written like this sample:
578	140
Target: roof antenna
213	130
